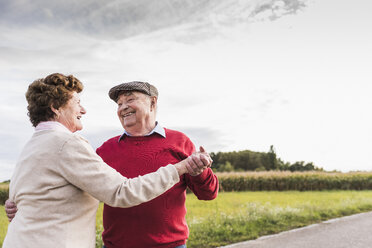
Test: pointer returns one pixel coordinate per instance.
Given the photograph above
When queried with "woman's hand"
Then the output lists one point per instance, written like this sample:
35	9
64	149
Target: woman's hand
195	164
10	209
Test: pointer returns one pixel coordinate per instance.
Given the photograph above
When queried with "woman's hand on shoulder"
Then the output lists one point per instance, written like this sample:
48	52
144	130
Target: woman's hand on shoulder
10	209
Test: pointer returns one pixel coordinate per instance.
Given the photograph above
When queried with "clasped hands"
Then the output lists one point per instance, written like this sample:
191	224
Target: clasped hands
197	162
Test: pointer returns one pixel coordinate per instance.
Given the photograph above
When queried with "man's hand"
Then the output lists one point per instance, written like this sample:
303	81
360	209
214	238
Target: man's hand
10	209
198	162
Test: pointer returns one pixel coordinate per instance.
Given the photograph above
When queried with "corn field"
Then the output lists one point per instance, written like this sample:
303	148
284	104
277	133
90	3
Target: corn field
301	181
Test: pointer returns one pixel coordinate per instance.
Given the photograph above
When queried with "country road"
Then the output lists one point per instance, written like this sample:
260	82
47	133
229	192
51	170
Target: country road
347	232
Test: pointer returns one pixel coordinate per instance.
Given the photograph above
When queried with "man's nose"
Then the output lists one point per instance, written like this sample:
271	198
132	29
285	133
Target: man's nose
123	107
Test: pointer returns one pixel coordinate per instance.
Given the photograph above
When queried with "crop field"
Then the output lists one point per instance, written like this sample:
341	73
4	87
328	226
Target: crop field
302	181
238	216
4	185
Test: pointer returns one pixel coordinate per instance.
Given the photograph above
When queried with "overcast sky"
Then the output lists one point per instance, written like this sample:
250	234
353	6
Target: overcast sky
232	75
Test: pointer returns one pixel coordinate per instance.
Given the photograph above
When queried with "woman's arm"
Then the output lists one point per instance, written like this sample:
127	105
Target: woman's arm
86	170
82	167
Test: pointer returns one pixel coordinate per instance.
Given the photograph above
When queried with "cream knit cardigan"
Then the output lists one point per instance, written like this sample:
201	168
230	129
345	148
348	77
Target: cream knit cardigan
56	185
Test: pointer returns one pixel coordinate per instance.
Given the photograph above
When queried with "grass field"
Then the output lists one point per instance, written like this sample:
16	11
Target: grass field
238	216
3	224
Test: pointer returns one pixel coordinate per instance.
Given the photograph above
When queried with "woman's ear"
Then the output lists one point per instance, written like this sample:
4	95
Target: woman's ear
55	111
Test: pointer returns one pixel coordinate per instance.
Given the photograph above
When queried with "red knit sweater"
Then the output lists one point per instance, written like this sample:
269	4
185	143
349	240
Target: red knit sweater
160	222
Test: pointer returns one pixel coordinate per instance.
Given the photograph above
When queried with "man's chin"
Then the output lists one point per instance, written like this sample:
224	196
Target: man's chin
128	125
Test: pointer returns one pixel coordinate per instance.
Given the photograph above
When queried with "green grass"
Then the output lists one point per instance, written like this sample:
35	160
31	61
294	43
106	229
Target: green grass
3	225
238	216
99	226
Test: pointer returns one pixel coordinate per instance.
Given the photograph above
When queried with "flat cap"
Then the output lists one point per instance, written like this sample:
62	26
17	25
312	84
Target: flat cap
143	87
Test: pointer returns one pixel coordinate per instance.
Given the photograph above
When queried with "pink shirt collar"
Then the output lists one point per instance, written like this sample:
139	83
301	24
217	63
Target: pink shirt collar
51	125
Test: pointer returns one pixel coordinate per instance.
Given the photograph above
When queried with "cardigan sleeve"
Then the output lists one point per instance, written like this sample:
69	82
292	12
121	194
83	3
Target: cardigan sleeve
82	167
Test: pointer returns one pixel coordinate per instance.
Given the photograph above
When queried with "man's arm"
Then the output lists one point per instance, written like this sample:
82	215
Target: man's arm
204	186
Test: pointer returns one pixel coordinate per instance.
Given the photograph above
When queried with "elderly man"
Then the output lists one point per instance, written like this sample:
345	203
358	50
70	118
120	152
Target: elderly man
160	222
143	148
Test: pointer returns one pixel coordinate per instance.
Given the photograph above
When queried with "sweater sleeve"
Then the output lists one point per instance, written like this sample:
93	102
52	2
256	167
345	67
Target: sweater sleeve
82	167
204	186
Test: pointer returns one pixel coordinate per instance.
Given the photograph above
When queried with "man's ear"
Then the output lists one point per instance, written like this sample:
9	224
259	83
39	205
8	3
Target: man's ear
154	101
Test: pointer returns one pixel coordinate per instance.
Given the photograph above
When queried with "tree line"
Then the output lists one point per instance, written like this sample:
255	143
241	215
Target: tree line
247	160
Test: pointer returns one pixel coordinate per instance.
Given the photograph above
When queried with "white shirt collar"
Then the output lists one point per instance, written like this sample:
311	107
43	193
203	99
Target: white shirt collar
157	129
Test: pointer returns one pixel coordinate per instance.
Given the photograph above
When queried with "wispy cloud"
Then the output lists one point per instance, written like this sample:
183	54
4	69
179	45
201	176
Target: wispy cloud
119	19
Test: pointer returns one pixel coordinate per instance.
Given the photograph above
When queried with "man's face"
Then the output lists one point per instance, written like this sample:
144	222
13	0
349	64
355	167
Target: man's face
136	111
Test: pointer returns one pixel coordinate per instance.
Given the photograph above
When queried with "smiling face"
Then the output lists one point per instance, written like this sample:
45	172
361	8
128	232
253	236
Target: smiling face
136	112
70	114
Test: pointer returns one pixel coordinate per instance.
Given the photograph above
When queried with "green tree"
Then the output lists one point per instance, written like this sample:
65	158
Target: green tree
227	167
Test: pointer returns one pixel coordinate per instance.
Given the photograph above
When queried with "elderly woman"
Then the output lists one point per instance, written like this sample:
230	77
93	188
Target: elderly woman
59	179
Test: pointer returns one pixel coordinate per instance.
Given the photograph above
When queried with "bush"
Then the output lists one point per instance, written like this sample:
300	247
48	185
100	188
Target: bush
4	195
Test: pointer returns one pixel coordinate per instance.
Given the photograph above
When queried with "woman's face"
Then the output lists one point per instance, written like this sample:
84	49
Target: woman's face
71	113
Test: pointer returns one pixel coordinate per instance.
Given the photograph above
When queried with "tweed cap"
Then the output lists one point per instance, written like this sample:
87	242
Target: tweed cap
143	87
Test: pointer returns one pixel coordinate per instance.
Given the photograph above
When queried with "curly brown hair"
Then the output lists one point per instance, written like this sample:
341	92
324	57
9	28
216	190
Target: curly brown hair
53	91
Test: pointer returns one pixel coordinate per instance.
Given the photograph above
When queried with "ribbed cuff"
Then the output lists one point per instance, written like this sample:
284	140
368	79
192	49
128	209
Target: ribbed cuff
174	172
202	177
